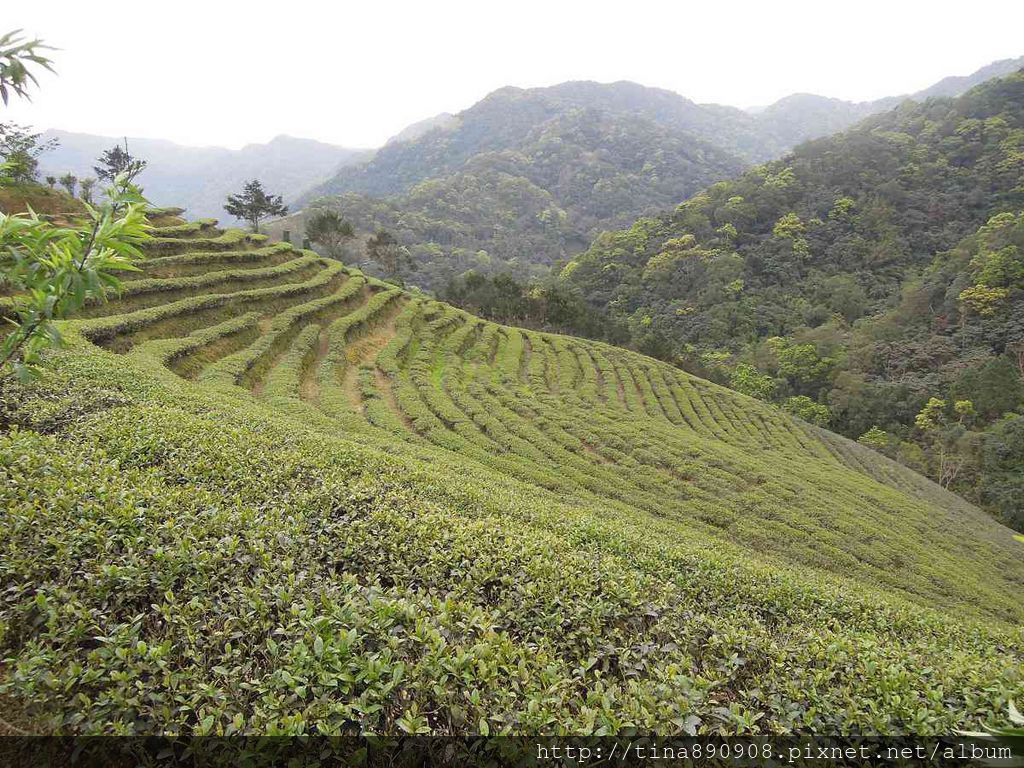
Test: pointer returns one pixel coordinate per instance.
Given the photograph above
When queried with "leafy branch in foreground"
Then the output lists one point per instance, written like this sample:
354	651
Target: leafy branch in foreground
16	56
1012	737
53	270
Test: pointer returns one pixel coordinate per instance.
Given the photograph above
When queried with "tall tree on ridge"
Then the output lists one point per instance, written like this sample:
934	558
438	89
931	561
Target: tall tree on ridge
118	162
254	204
390	256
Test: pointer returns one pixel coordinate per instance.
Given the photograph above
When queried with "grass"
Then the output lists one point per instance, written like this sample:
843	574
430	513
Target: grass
326	505
55	203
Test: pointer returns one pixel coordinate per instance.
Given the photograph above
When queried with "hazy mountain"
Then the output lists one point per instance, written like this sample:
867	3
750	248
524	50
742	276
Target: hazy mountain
508	118
954	86
524	179
199	178
804	116
417	129
505	118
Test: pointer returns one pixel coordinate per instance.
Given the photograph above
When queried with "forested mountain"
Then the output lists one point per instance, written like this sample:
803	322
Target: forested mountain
421	127
957	84
527	177
803	116
526	207
199	178
852	281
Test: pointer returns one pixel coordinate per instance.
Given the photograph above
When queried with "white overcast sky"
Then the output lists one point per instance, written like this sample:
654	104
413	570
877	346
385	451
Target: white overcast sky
355	73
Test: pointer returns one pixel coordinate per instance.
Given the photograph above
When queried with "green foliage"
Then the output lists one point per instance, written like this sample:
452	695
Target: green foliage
17	58
254	204
748	380
545	306
117	162
326	227
70	183
875	438
87	185
983	299
1002	469
388	254
19	153
801	364
886	259
53	270
388	515
527	183
807	409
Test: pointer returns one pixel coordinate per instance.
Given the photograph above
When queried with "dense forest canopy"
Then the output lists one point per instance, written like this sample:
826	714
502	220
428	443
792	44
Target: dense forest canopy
524	208
526	178
795	282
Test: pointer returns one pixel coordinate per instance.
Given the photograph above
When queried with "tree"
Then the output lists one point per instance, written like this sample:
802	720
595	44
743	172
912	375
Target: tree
328	229
51	181
982	299
808	410
86	185
117	162
391	257
17	56
1016	350
1002	469
254	204
750	381
805	369
50	271
877	439
951	446
19	150
69	181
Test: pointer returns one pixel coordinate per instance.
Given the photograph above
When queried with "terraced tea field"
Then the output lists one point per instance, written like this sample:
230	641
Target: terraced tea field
293	497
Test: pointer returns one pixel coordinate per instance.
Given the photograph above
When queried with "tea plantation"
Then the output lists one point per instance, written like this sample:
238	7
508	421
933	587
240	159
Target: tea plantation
262	492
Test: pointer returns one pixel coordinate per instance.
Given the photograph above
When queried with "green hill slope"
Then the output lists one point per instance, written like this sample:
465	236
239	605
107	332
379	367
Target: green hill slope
788	281
528	177
263	492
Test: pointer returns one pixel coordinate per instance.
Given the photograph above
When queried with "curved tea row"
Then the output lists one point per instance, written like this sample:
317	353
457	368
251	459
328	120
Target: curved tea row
580	418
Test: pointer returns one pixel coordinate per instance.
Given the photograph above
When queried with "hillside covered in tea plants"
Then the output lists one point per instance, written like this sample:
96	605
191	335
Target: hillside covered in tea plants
261	492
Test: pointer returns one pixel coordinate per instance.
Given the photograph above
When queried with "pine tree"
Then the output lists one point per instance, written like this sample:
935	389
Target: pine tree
118	162
254	204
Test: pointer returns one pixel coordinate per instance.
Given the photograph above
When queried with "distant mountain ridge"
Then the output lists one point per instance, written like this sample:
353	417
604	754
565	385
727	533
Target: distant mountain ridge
501	120
199	178
419	128
525	178
956	85
800	117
